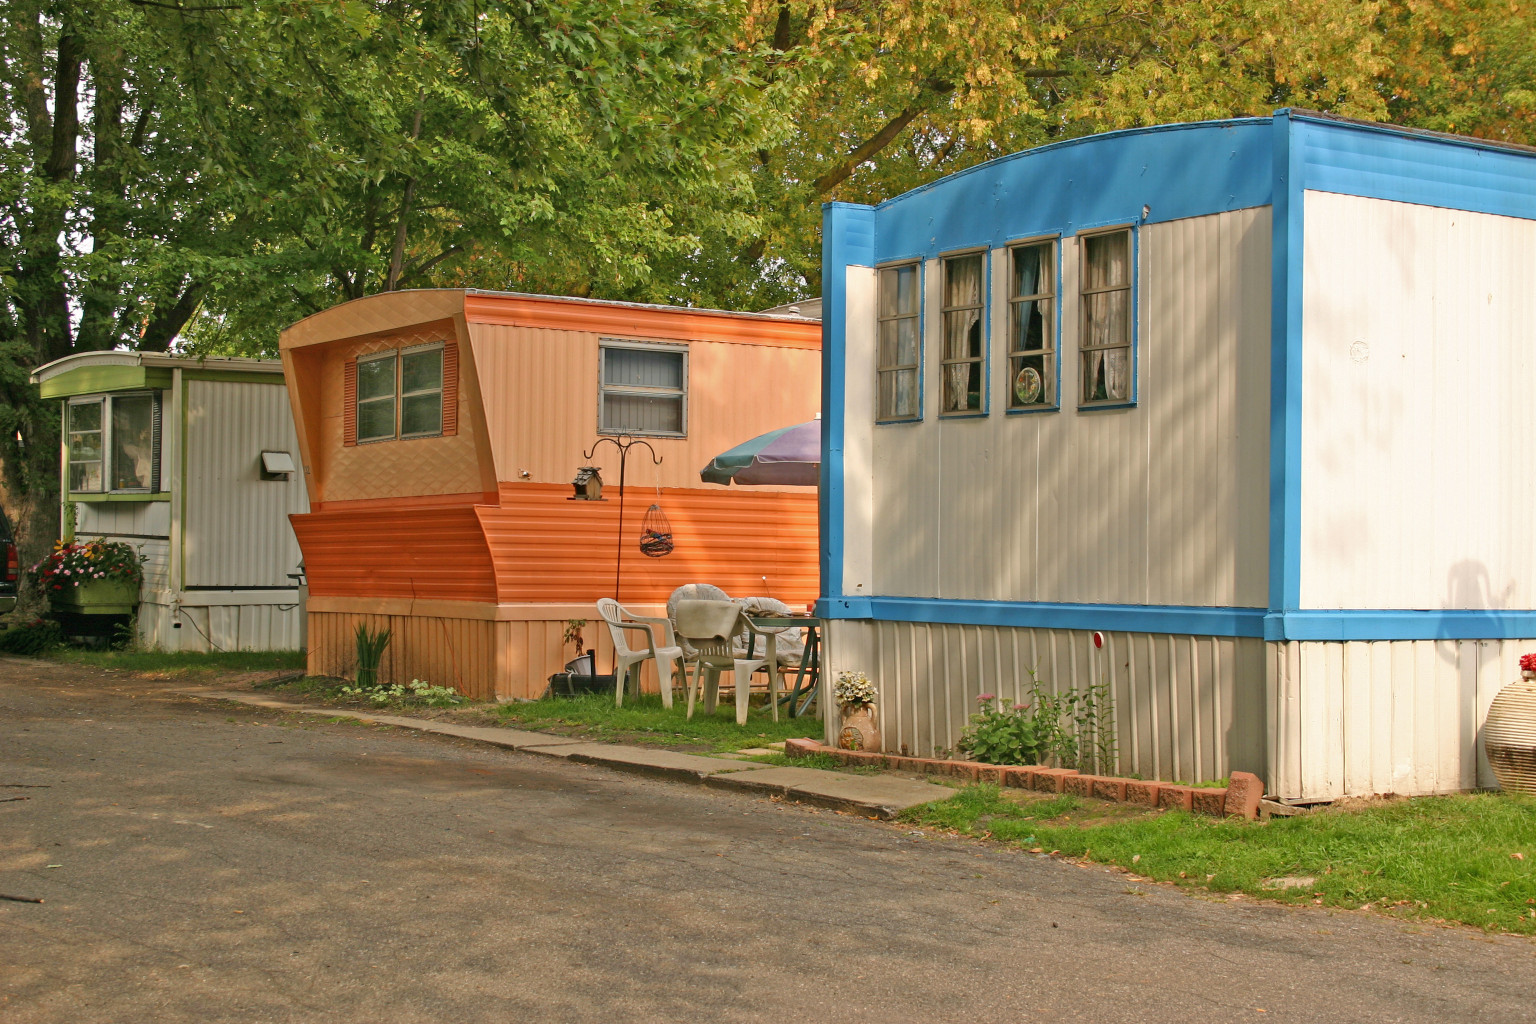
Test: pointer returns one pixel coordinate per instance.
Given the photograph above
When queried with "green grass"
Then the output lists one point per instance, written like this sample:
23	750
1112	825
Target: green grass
644	720
180	663
1450	858
825	762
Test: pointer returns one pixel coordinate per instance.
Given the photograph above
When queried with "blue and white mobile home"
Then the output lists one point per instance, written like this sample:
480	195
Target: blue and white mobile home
1251	399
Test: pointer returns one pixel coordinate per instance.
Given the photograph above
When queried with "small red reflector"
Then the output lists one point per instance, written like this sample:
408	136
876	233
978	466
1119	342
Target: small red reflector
12	566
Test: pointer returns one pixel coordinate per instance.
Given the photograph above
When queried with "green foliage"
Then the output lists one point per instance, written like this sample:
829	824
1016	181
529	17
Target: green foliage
1000	733
1072	728
1466	858
370	651
35	638
417	691
167	664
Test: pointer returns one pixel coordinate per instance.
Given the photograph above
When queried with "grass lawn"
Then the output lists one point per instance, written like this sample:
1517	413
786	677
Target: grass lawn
1469	858
176	664
644	720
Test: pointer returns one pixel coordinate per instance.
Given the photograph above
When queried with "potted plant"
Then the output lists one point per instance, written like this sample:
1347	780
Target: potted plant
94	578
854	695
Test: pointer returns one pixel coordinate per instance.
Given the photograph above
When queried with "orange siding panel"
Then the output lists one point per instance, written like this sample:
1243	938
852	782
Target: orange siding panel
550	549
436	553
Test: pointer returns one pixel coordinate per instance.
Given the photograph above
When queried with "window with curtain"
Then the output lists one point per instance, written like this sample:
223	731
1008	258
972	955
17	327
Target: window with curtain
964	308
1032	327
900	344
644	390
1106	332
114	443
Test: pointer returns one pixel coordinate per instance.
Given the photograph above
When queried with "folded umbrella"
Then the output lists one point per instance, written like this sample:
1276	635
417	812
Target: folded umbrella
789	455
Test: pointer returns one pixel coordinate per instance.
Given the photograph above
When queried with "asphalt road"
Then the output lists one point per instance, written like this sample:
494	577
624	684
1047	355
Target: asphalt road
212	863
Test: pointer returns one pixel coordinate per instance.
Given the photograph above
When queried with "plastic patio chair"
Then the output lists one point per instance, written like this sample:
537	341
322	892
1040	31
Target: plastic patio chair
668	656
710	629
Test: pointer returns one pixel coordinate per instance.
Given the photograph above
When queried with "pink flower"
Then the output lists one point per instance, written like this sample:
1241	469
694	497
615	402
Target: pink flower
982	698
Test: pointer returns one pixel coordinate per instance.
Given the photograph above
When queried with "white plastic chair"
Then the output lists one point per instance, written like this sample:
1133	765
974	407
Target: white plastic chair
709	629
668	656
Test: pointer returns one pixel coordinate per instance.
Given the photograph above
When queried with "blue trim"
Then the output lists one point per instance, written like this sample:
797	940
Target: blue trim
848	238
1340	625
1128	618
1285	413
1178	171
1382	162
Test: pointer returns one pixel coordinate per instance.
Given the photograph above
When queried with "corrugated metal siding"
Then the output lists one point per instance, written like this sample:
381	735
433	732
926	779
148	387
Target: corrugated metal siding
481	658
1186	707
550	549
1354	719
540	389
1165	503
1417	376
252	627
425	552
236	531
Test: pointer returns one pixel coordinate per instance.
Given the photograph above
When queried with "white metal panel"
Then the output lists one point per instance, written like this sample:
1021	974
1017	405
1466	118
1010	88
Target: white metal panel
1164	503
1187	708
125	519
1417	371
1398	717
236	531
859	410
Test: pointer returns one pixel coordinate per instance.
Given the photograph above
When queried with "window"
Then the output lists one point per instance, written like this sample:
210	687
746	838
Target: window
1106	336
964	303
400	393
644	390
899	344
114	444
1032	327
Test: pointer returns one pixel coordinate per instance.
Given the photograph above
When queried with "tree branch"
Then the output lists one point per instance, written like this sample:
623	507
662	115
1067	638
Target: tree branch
165	324
202	9
397	251
60	165
424	268
844	168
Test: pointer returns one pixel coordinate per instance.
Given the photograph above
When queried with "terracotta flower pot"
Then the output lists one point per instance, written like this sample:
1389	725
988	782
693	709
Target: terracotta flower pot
1509	734
857	729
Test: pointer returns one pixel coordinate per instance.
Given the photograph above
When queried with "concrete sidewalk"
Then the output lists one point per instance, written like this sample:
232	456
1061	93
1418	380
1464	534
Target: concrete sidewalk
877	796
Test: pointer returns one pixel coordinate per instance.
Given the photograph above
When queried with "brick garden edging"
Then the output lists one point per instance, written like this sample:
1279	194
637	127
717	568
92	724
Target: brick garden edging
1240	797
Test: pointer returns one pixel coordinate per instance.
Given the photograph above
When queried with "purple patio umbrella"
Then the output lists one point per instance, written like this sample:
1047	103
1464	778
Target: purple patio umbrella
789	455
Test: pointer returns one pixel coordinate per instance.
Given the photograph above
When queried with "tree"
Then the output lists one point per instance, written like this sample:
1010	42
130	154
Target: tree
216	169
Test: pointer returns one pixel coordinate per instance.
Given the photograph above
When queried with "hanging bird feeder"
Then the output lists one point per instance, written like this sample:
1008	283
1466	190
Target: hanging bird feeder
655	533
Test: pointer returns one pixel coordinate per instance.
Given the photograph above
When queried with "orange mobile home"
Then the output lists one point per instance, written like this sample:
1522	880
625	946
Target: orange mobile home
440	432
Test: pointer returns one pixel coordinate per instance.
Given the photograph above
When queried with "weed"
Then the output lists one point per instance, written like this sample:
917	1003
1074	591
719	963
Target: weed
417	691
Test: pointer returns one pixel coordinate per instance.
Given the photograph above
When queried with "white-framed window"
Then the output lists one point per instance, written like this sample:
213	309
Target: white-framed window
377	376
899	344
1108	266
400	393
643	389
1032	326
114	443
421	390
964	312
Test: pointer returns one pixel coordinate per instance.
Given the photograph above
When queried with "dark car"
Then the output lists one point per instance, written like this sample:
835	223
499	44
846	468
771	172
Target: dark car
10	566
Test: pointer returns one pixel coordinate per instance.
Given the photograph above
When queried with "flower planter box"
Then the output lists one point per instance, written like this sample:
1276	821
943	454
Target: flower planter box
97	597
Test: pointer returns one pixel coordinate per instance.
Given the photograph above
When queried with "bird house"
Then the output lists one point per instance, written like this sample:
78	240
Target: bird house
588	484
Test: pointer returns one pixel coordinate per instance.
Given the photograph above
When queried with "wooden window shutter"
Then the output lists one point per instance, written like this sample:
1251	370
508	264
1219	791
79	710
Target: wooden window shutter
450	388
349	403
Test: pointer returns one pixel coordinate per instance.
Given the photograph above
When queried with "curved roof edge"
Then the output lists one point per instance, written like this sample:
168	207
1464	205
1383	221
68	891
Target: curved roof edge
159	360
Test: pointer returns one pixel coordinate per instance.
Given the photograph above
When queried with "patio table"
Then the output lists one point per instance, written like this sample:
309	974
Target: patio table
808	675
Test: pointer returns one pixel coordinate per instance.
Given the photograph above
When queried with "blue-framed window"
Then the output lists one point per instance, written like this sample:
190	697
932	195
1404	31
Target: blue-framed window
898	362
1033	371
1107	338
964	391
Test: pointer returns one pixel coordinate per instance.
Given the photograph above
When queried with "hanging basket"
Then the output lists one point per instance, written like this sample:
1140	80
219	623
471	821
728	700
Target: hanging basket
655	533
